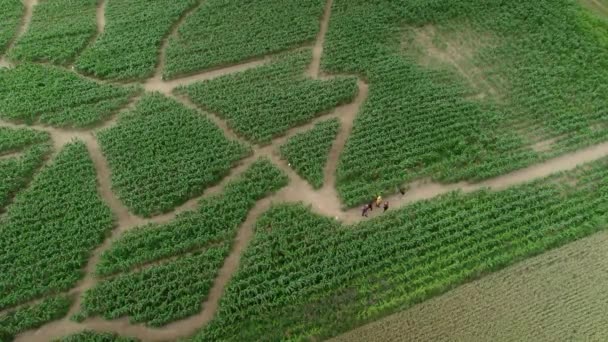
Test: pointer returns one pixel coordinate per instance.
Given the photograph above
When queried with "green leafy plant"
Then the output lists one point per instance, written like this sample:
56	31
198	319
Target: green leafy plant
307	152
265	102
57	97
32	316
221	32
163	153
50	229
129	45
59	30
10	16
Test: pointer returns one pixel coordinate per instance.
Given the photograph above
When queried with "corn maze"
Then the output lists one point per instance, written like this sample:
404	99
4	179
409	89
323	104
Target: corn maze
195	170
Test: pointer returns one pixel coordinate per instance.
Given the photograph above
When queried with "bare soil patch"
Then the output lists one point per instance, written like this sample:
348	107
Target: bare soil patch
600	7
456	50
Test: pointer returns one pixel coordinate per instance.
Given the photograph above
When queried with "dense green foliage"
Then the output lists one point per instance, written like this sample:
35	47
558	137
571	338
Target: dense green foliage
12	139
307	152
217	219
544	60
265	102
305	275
222	32
59	30
10	16
16	170
158	294
93	336
129	46
31	92
32	316
163	153
48	232
175	289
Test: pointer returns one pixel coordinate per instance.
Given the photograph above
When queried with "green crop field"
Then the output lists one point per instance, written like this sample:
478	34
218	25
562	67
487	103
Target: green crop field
73	25
196	170
10	15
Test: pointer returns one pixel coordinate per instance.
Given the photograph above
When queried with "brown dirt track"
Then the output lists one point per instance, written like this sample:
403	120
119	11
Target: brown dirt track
561	295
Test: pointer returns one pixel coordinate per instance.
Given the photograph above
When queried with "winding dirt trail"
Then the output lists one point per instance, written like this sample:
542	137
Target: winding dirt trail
324	201
156	83
166	87
23	27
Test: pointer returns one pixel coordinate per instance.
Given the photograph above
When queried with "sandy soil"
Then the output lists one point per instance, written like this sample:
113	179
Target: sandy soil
557	296
598	6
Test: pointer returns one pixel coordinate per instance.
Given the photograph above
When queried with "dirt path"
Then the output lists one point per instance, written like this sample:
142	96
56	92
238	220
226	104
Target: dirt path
166	87
100	21
156	83
559	295
422	190
317	50
100	17
25	24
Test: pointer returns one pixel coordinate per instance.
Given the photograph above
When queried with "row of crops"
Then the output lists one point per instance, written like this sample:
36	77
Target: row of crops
129	46
223	32
307	276
307	152
420	121
17	169
59	30
94	336
50	229
216	219
162	292
163	153
158	294
32	316
10	16
265	102
31	92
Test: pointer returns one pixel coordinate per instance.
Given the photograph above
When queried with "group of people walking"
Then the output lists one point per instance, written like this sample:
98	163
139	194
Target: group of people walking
370	206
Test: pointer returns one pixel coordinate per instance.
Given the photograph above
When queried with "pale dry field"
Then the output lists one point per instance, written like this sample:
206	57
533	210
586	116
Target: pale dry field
561	295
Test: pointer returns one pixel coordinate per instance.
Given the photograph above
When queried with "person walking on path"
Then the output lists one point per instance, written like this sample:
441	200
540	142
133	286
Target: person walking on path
364	210
385	206
371	204
378	201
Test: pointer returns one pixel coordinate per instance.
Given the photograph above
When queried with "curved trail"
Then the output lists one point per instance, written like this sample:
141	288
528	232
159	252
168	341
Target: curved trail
324	201
166	87
156	82
23	27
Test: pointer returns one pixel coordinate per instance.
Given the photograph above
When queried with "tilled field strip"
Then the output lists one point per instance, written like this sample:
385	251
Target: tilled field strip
559	295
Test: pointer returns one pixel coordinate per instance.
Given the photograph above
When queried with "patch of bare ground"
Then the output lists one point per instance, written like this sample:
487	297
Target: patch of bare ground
544	145
23	27
557	296
456	49
600	7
